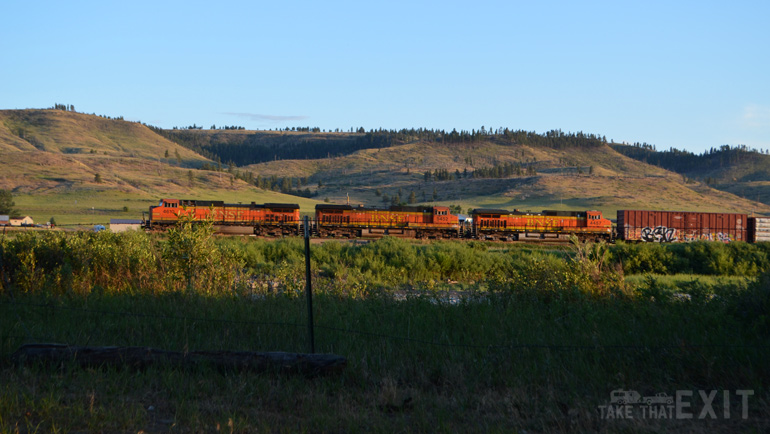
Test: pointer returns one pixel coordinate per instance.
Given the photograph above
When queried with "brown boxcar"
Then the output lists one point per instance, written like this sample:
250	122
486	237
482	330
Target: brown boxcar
759	229
681	226
406	221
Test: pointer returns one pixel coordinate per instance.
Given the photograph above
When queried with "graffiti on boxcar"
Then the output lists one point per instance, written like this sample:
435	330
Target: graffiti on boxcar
716	236
659	234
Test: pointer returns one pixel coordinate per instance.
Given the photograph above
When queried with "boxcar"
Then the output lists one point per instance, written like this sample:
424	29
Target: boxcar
265	219
759	229
404	221
500	224
680	226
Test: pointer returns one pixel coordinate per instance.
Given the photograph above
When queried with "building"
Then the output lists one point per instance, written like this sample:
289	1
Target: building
122	225
24	221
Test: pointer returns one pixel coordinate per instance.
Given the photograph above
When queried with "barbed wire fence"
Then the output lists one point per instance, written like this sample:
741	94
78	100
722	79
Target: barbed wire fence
28	337
23	333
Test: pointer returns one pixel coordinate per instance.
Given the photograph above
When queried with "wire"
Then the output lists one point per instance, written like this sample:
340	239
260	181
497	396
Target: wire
512	346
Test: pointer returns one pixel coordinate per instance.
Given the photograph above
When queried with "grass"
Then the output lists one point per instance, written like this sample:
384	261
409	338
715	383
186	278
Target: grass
75	208
535	343
414	365
677	280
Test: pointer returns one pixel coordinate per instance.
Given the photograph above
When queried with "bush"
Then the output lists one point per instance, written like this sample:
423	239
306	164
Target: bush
701	257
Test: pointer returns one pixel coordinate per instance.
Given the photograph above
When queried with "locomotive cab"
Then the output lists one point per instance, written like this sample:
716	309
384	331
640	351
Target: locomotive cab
595	219
166	211
443	216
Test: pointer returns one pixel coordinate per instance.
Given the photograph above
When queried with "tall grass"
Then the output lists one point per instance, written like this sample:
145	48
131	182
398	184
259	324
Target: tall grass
538	340
706	258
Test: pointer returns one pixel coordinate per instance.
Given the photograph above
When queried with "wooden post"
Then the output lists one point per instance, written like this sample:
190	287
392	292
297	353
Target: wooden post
309	287
141	357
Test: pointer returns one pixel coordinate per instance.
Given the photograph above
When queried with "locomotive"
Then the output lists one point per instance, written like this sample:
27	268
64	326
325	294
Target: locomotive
404	221
269	219
502	225
437	222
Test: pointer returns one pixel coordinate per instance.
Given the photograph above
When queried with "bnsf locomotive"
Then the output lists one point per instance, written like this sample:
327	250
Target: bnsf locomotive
408	221
273	219
437	222
499	224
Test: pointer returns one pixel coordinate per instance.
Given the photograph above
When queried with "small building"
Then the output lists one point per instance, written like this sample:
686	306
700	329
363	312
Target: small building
5	220
122	225
24	221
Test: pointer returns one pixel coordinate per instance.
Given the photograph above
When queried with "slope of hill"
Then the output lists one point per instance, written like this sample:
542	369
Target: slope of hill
243	147
86	167
737	170
568	178
83	167
72	133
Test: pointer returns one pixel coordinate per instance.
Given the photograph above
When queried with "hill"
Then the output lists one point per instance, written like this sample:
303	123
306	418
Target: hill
573	177
85	168
81	168
737	170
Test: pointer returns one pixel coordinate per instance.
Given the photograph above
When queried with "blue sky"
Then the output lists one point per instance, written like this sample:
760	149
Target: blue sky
690	75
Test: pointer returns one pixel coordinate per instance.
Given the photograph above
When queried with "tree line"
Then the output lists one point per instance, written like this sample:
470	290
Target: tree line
258	148
686	162
504	170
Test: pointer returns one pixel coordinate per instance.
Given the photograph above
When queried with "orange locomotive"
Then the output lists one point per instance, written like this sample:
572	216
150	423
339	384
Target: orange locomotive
500	224
266	219
406	221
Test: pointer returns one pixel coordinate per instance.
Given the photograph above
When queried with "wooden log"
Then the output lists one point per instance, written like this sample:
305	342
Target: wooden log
142	357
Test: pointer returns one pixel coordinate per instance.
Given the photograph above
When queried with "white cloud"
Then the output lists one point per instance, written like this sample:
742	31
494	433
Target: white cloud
756	116
271	118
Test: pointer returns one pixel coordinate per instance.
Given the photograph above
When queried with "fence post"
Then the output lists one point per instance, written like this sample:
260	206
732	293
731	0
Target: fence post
309	287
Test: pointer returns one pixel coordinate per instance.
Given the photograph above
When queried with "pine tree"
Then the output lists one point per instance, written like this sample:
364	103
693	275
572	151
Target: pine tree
7	203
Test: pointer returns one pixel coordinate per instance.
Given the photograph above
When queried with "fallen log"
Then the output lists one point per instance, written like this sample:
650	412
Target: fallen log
142	357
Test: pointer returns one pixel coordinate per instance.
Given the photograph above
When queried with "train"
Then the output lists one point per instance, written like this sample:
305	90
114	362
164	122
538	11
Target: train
269	219
437	222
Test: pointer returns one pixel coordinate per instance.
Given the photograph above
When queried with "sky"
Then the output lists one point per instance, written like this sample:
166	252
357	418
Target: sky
685	74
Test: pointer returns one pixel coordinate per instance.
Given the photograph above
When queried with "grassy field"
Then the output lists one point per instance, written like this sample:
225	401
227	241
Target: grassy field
447	337
86	208
505	364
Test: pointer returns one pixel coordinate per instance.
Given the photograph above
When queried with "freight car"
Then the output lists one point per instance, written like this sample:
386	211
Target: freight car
271	219
759	229
681	226
402	221
503	225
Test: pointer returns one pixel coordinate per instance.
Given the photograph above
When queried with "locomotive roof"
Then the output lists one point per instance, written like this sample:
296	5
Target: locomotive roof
279	205
564	213
498	211
208	203
550	213
392	208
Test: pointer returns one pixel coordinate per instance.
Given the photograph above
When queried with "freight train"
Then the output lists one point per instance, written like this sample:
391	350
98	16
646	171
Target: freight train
437	222
269	219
